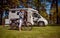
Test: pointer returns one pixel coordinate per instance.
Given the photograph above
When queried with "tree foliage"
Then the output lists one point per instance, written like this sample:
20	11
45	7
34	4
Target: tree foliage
37	4
41	8
24	2
55	17
6	4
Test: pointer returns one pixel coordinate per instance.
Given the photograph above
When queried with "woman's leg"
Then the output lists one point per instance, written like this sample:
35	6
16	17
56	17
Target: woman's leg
20	24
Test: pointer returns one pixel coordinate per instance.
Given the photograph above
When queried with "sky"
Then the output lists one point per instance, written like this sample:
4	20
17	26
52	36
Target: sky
49	5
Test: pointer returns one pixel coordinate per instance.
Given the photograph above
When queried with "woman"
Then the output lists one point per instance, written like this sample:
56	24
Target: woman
21	17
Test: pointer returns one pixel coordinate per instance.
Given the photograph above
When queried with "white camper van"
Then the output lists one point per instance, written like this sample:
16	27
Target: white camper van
32	16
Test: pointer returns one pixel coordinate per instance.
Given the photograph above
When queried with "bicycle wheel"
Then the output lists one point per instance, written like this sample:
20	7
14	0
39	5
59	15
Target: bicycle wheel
27	26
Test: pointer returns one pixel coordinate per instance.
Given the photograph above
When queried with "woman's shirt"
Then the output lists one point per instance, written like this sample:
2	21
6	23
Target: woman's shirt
21	15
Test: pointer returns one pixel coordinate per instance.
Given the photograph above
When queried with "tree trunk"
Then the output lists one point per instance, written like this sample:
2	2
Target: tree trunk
57	10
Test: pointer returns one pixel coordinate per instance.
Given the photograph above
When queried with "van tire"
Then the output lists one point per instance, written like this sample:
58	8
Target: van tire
41	23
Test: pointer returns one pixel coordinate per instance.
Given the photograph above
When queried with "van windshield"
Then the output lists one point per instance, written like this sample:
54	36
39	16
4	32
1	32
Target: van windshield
36	15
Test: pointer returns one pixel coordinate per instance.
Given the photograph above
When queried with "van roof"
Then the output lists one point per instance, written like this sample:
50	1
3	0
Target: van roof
22	8
17	9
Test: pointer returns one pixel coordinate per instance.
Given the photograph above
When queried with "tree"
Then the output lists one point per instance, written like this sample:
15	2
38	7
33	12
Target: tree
54	11
41	8
24	2
37	4
6	5
57	11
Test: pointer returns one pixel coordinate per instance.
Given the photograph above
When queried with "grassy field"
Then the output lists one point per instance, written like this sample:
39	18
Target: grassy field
36	32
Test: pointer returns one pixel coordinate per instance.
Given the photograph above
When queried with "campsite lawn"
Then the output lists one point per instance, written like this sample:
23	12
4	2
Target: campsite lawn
36	32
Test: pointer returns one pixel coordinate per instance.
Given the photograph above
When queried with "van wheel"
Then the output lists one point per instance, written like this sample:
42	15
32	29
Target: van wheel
41	23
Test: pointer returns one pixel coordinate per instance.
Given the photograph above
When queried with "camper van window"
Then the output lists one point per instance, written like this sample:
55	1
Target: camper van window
13	11
36	15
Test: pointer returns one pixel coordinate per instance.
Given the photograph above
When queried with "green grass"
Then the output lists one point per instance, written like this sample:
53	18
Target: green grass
36	32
